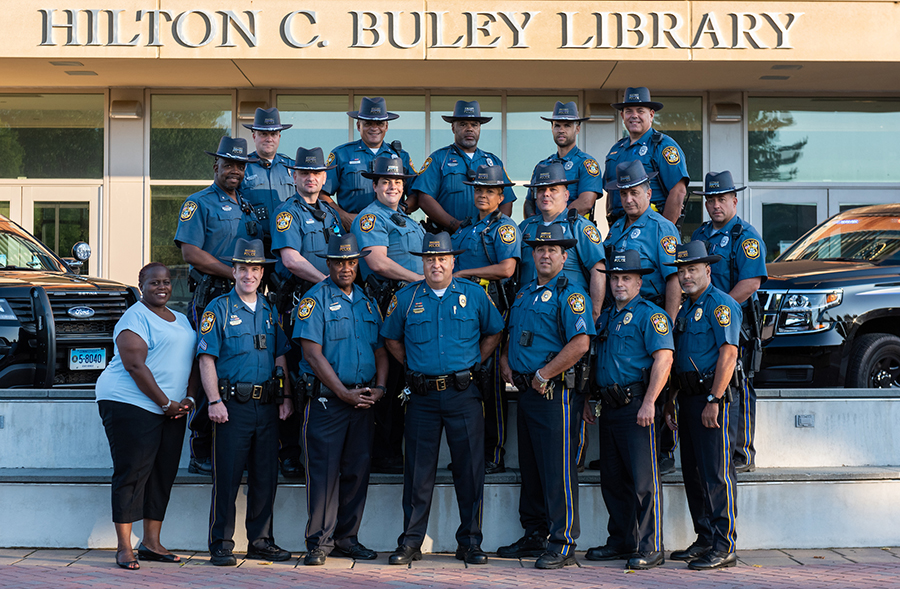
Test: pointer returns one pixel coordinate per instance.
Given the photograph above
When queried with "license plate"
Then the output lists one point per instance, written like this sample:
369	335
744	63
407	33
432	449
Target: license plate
87	359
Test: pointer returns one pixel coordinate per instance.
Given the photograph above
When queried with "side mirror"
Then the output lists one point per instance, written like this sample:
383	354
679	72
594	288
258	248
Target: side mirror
81	251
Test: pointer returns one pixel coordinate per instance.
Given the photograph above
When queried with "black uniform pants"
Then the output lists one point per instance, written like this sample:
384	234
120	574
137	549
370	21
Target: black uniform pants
289	429
248	439
548	450
629	480
495	414
462	415
708	469
744	426
338	440
389	415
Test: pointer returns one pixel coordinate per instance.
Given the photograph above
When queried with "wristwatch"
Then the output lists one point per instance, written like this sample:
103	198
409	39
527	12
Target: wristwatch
166	406
711	398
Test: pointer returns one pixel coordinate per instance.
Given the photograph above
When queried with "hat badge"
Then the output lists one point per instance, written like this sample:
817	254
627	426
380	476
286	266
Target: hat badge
620	259
625	178
237	150
545	175
393	168
714	184
469	109
249	253
683	254
634	97
310	159
434	244
345	247
375	110
270	121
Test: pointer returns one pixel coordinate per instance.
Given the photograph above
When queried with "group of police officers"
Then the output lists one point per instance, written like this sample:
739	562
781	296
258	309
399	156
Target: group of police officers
378	333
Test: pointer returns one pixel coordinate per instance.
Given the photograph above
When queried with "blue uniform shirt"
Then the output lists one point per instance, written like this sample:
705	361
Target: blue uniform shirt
665	157
579	166
377	225
346	329
714	320
745	247
226	333
548	313
486	242
295	227
442	177
267	184
213	222
345	182
441	334
588	249
628	339
655	238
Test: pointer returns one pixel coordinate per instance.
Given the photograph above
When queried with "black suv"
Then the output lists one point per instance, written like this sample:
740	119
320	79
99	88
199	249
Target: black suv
56	327
832	305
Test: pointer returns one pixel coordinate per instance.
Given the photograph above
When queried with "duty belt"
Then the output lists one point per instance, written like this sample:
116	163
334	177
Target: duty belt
617	396
523	381
320	390
420	383
245	391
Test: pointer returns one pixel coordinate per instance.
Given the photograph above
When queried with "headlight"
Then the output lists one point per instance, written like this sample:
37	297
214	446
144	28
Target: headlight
801	311
6	312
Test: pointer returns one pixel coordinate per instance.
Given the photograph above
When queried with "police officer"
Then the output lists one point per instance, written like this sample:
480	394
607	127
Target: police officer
655	150
346	365
565	124
549	332
441	192
550	185
209	226
442	328
241	356
345	181
707	333
740	273
389	234
267	182
634	356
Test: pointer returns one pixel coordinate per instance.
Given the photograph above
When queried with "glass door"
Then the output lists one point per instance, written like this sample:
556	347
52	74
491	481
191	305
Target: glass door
61	216
785	214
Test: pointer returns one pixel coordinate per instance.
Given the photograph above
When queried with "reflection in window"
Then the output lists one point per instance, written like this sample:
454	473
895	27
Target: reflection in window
682	120
59	226
528	136
783	224
182	128
51	135
409	129
491	132
165	207
693	215
320	120
4	208
823	139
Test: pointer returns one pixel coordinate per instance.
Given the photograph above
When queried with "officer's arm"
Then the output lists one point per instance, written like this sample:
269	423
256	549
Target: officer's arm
381	264
381	371
745	288
437	213
300	266
504	269
598	289
506	208
397	349
674	201
505	370
673	295
287	407
312	353
488	344
728	354
205	261
567	357
585	202
210	379
528	208
659	374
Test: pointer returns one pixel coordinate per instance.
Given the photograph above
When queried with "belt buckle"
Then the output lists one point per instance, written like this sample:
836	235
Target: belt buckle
257	392
440	384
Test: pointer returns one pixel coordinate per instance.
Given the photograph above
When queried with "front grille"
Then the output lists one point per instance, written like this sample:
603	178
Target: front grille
108	308
85	327
22	309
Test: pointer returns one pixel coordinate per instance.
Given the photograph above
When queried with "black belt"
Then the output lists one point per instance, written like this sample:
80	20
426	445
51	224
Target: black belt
243	392
440	383
523	381
320	390
420	383
617	396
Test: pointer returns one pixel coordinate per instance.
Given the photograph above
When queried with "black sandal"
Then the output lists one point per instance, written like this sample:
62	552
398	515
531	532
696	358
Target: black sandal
145	553
131	565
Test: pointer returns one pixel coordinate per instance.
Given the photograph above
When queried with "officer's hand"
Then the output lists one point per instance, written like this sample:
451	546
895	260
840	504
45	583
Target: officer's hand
670	416
375	394
710	416
218	413
646	414
286	409
506	372
358	398
347	220
538	385
588	413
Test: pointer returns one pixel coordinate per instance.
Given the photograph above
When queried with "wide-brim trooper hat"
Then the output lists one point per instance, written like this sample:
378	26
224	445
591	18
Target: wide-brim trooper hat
551	235
629	174
249	252
637	97
626	262
492	176
387	167
437	245
267	119
310	160
233	148
550	175
466	111
343	247
718	183
693	252
372	109
565	112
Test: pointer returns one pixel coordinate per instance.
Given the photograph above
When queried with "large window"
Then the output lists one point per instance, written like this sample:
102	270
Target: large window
320	120
491	138
51	136
682	119
182	127
409	129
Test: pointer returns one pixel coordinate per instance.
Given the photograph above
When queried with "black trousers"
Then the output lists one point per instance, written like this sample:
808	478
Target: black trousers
145	449
462	415
708	470
495	414
548	452
289	429
248	439
629	480
338	440
389	414
744	425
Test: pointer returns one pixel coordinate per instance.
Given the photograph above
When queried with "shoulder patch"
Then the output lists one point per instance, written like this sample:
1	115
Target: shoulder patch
412	167
283	221
305	308
330	159
367	223
723	315
660	323
592	233
671	155
751	248
187	211
392	306
207	322
576	303
669	242
507	233
592	167
425	165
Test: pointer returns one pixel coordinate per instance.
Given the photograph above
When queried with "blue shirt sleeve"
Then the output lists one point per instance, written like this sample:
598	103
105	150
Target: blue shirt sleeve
286	228
192	222
394	319
576	320
658	334
667	237
310	320
429	178
726	321
332	180
590	245
282	343
672	164
210	328
370	230
589	177
751	256
491	322
508	242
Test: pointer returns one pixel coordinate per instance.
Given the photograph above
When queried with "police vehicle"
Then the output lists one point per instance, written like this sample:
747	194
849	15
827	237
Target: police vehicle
832	305
56	326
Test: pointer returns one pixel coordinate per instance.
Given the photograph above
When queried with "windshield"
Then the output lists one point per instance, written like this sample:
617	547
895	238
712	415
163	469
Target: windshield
20	251
867	238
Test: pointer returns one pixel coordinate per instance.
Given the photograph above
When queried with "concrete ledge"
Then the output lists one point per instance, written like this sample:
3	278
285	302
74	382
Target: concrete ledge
828	393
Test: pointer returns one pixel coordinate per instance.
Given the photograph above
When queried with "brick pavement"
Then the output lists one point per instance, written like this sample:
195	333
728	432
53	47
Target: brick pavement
840	568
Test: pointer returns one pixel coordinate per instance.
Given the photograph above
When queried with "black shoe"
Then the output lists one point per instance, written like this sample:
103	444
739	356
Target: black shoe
388	465
292	468
533	545
356	552
201	466
491	467
594	465
741	466
270	552
404	555
554	560
608	552
471	554
222	557
644	561
315	557
580	468
666	464
692	552
714	560
145	553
